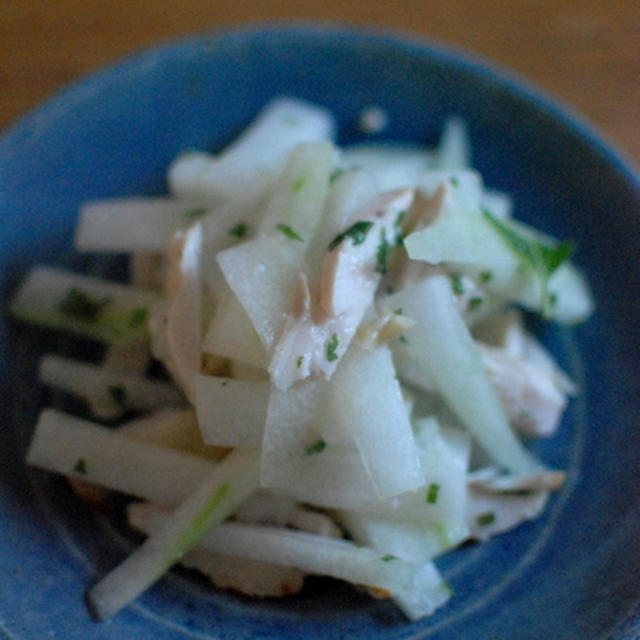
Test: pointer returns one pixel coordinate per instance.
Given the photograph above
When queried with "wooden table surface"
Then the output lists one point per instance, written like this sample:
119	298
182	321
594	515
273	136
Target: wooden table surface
584	52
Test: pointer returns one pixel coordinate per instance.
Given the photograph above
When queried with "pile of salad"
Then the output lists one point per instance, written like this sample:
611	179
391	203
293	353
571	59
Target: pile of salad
349	378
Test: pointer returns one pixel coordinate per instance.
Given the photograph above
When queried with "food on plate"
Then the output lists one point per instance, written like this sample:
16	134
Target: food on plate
350	379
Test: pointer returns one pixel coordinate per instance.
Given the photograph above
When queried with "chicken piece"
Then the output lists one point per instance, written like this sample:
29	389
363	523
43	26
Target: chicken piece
532	399
497	502
148	270
250	577
491	513
319	328
491	480
506	331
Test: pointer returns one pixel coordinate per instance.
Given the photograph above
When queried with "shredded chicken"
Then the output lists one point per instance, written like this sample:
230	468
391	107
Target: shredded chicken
491	513
319	328
532	399
249	577
490	480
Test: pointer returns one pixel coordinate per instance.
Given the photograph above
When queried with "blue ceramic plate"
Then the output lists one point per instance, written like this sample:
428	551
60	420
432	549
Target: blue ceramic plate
572	574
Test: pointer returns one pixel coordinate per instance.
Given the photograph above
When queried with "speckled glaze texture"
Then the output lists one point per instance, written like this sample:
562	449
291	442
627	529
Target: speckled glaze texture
571	575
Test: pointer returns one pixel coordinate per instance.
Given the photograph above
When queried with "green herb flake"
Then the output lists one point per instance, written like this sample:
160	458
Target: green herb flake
80	306
335	174
239	230
388	558
454	181
317	447
541	258
403	339
224	383
457	283
474	303
398	311
382	253
138	318
486	276
299	361
485	519
432	493
289	232
299	184
195	214
118	393
290	119
332	345
81	466
357	232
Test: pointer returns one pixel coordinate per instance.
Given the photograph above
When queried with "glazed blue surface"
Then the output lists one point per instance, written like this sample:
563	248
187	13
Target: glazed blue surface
571	575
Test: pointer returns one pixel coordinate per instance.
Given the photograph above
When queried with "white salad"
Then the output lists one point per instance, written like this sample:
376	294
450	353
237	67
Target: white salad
350	379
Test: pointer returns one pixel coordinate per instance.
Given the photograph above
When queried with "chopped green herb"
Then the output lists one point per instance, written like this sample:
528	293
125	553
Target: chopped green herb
398	311
475	302
81	466
357	232
456	283
118	393
332	345
388	558
389	290
335	174
299	361
382	253
80	306
404	340
138	318
486	276
541	258
317	447
298	184
224	383
454	181
239	230
289	232
432	493
195	214
485	519
290	119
